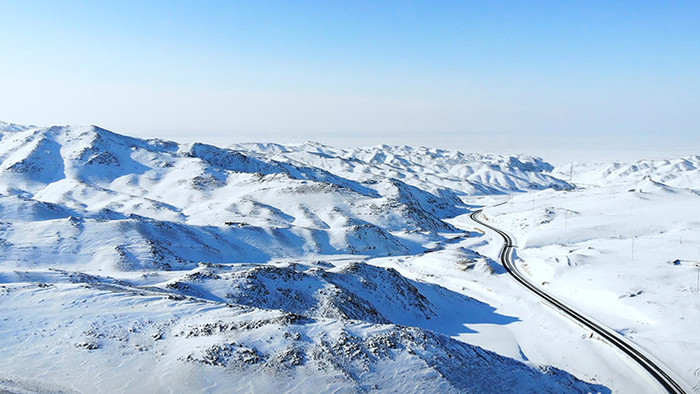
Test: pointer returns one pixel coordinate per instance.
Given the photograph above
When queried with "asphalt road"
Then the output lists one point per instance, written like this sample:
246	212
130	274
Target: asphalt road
611	337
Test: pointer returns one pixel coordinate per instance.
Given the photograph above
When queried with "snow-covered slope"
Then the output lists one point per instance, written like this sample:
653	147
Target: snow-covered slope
130	265
435	170
4	126
96	334
624	248
681	173
163	205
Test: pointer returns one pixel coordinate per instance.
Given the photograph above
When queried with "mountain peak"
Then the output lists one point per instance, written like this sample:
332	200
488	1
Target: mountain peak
5	126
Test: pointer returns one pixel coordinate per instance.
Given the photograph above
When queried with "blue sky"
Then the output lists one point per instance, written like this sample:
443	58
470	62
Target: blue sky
502	76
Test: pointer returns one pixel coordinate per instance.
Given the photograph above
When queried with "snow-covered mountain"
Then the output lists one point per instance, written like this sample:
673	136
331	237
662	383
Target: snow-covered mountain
133	265
682	173
168	206
436	170
163	205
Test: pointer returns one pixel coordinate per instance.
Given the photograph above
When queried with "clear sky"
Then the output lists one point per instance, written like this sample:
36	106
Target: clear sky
501	76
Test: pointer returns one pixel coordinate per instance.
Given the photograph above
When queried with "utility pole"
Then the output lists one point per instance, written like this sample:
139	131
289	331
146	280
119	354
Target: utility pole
571	173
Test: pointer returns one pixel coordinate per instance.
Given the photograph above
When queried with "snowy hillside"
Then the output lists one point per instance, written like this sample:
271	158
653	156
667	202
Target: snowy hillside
275	335
681	173
623	247
140	265
430	169
166	206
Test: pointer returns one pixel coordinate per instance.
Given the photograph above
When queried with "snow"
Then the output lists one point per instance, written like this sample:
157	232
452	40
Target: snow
608	248
146	265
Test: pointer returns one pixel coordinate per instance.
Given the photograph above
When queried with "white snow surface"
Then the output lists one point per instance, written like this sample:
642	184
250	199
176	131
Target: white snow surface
132	265
622	247
427	168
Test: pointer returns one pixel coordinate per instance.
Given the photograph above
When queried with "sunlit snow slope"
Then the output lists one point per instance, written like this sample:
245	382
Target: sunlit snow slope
142	265
623	247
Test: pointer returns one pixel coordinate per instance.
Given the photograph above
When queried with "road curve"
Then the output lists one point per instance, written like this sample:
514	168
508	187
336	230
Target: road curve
506	257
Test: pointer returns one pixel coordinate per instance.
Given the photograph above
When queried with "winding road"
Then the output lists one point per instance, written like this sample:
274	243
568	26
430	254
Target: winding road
612	338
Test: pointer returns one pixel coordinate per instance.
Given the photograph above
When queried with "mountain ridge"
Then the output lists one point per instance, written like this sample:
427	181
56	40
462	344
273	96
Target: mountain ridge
240	266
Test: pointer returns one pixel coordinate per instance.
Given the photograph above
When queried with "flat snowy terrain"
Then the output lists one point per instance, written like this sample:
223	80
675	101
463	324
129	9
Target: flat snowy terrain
130	265
623	247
